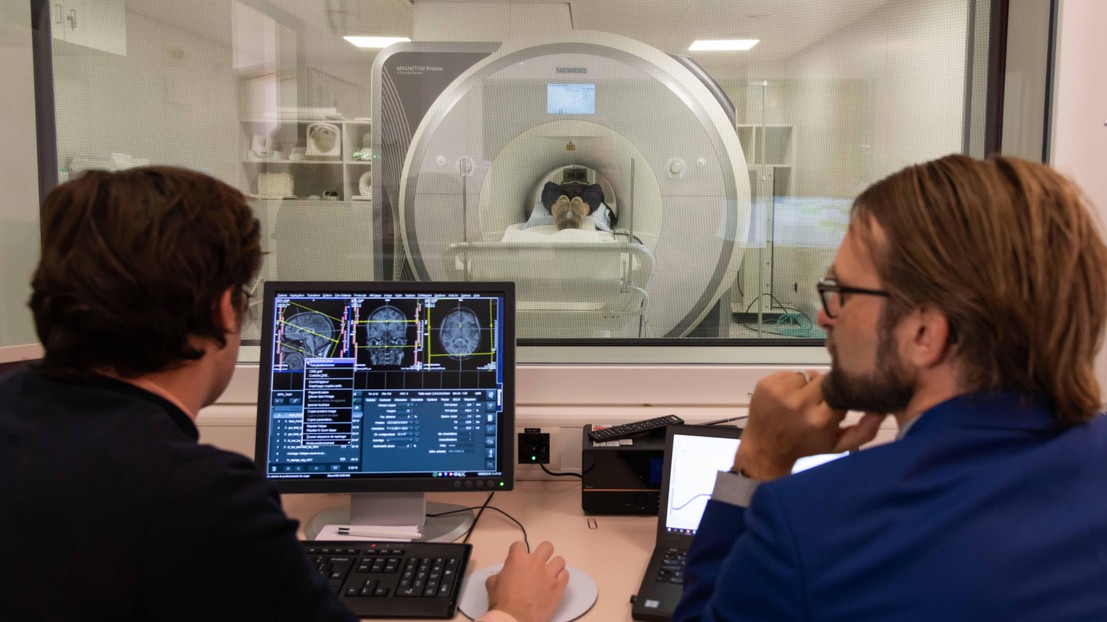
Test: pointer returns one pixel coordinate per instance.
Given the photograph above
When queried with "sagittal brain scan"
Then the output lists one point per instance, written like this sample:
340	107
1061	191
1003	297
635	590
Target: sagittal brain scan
386	331
460	333
306	335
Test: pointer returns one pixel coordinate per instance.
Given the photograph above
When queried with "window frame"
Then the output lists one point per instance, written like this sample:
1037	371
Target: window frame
716	371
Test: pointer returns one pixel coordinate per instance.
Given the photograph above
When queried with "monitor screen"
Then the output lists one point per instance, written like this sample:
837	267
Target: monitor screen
570	99
398	387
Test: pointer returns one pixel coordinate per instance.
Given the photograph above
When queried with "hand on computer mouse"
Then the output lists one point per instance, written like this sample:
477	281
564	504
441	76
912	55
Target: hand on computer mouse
529	586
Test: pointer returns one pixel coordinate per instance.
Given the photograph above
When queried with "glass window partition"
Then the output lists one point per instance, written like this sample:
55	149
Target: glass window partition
19	218
651	202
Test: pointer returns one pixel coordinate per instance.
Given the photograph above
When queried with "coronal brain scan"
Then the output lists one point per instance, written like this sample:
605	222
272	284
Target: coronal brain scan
460	333
386	330
306	335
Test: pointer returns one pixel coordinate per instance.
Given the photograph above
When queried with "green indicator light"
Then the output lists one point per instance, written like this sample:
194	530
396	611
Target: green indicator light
534	458
501	484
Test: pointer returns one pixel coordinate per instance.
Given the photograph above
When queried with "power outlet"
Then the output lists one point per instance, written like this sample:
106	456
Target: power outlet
534	446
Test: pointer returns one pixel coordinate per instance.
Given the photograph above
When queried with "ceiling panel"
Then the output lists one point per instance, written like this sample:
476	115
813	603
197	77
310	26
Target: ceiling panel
784	27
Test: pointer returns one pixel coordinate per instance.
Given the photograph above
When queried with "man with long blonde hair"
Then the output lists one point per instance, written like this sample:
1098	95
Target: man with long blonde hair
968	300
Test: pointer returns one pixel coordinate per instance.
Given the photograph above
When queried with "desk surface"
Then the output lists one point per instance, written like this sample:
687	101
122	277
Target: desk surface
614	551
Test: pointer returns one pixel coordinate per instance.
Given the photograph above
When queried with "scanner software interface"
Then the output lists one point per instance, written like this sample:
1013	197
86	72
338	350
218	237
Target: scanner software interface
396	385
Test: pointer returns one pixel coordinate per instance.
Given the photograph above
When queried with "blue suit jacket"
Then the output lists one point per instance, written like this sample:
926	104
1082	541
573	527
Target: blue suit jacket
985	510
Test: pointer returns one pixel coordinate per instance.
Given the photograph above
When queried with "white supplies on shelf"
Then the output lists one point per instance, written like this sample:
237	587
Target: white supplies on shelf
110	162
317	155
275	185
324	141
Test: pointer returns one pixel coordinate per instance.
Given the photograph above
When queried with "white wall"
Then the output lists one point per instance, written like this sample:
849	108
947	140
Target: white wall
19	222
1079	124
171	99
882	93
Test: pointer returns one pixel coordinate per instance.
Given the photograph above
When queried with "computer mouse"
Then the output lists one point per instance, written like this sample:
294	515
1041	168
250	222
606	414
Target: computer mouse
579	595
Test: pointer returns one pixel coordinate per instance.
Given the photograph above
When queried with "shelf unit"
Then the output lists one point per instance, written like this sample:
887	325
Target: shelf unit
325	228
312	177
770	152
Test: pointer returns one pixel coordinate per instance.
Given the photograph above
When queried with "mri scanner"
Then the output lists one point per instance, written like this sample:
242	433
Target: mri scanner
647	127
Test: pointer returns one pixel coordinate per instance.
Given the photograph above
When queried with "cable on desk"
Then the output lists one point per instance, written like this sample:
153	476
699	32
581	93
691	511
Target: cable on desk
476	518
565	474
482	508
524	530
727	420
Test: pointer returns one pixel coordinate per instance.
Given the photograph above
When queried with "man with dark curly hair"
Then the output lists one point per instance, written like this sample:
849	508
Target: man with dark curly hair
112	509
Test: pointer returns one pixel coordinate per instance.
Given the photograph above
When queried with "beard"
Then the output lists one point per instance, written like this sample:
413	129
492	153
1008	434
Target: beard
888	389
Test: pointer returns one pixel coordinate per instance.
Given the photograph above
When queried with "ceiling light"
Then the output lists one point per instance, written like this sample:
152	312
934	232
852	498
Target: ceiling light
375	42
722	45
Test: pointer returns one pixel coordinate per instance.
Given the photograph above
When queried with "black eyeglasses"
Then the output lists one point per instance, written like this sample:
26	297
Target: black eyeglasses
831	294
249	291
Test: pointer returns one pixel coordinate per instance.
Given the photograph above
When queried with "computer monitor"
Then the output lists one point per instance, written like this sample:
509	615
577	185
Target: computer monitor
387	391
570	99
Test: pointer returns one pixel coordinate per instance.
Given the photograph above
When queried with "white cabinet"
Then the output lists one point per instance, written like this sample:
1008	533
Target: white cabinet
97	24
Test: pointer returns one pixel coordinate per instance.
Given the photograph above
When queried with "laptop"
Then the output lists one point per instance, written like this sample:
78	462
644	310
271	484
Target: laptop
694	454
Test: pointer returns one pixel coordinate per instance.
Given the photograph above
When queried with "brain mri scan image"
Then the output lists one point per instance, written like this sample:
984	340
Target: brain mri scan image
386	330
306	335
460	333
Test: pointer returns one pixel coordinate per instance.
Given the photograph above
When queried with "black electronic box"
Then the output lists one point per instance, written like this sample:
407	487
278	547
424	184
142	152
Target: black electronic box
621	477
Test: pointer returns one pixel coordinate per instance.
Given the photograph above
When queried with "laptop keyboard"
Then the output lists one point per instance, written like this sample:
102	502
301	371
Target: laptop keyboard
672	567
393	579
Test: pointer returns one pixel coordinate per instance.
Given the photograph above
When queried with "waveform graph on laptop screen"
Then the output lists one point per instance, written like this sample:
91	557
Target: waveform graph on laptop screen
695	461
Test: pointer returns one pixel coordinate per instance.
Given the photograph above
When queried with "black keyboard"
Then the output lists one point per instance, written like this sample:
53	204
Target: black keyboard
672	567
393	579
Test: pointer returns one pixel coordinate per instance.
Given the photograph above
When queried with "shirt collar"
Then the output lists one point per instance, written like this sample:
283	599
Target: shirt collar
176	414
985	409
903	431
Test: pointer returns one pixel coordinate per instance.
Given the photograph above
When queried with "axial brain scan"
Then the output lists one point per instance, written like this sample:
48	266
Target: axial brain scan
306	335
460	333
387	335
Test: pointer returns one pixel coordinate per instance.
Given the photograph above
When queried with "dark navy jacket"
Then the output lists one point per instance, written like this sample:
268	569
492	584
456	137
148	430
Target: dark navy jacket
111	510
985	510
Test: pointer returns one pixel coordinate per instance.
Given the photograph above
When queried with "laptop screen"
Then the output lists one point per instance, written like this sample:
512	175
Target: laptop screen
695	459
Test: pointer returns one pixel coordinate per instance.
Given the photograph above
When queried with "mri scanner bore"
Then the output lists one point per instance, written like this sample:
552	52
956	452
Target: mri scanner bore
597	109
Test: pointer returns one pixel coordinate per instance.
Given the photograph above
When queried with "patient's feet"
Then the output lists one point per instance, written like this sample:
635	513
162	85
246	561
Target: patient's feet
569	214
579	208
566	213
560	206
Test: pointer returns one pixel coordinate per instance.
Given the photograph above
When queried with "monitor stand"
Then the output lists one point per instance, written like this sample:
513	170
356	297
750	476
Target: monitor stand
447	524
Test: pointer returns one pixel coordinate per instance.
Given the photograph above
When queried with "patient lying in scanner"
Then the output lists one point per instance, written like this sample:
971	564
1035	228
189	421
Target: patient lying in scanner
571	202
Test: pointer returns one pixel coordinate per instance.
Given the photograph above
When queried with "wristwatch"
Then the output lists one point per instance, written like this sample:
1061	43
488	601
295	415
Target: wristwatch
740	471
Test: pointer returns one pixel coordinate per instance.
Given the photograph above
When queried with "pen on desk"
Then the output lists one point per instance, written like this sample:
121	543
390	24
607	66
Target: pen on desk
718	421
380	531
